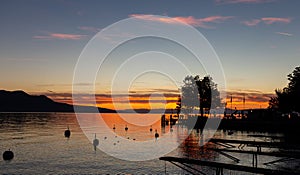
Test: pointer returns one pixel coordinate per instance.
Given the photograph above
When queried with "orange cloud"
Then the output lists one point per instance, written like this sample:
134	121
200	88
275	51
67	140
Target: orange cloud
197	22
271	20
253	99
62	36
121	101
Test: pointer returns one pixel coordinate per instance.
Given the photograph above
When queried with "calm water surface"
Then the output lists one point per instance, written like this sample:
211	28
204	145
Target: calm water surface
40	147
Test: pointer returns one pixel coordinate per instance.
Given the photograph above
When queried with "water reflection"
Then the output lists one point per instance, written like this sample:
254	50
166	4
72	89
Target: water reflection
38	142
192	147
118	125
135	143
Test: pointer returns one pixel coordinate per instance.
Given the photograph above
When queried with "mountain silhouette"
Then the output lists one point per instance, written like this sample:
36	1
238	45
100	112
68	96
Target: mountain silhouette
20	101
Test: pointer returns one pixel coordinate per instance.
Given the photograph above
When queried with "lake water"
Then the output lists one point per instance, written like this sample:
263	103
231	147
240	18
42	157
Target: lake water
39	145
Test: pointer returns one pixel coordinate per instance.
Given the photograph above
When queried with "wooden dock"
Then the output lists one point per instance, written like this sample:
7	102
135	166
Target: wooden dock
228	144
266	136
258	144
295	155
220	166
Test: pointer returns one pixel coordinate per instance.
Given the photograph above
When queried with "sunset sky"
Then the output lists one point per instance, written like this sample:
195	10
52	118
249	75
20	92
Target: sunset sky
257	42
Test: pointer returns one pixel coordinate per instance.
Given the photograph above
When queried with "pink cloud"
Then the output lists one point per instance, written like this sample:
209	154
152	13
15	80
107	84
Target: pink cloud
242	1
271	20
191	21
197	22
266	20
62	36
253	22
152	18
215	18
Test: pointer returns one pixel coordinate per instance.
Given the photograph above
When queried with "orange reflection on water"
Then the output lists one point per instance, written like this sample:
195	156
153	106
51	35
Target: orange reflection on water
195	147
138	125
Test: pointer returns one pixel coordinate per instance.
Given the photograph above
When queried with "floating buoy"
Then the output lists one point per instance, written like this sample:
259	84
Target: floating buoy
126	128
95	141
8	155
156	134
67	133
151	128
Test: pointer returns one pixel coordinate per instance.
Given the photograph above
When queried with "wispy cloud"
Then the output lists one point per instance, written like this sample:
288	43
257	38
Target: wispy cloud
284	33
155	90
77	84
107	99
253	22
250	95
253	99
61	36
267	20
242	1
197	22
89	29
271	20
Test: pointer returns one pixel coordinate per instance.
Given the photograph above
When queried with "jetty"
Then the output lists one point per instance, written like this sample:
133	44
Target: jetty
185	163
284	155
224	147
258	144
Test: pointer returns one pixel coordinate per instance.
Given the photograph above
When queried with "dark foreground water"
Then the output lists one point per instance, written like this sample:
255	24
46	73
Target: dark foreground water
39	145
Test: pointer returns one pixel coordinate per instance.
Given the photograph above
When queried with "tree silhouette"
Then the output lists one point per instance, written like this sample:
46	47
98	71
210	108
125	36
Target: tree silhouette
204	90
294	89
189	95
200	93
280	101
288	99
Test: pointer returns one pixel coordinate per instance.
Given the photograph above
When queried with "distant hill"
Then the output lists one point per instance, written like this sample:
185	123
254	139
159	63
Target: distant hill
20	101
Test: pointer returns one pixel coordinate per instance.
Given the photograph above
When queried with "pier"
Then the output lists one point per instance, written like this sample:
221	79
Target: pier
185	163
285	155
228	146
258	144
289	154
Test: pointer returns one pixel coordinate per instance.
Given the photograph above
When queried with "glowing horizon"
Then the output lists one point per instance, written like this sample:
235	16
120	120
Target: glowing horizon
253	100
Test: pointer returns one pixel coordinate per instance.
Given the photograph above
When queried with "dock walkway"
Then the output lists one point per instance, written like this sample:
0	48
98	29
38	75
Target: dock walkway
220	166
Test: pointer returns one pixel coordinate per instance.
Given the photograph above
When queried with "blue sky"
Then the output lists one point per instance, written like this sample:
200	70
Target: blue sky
257	41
